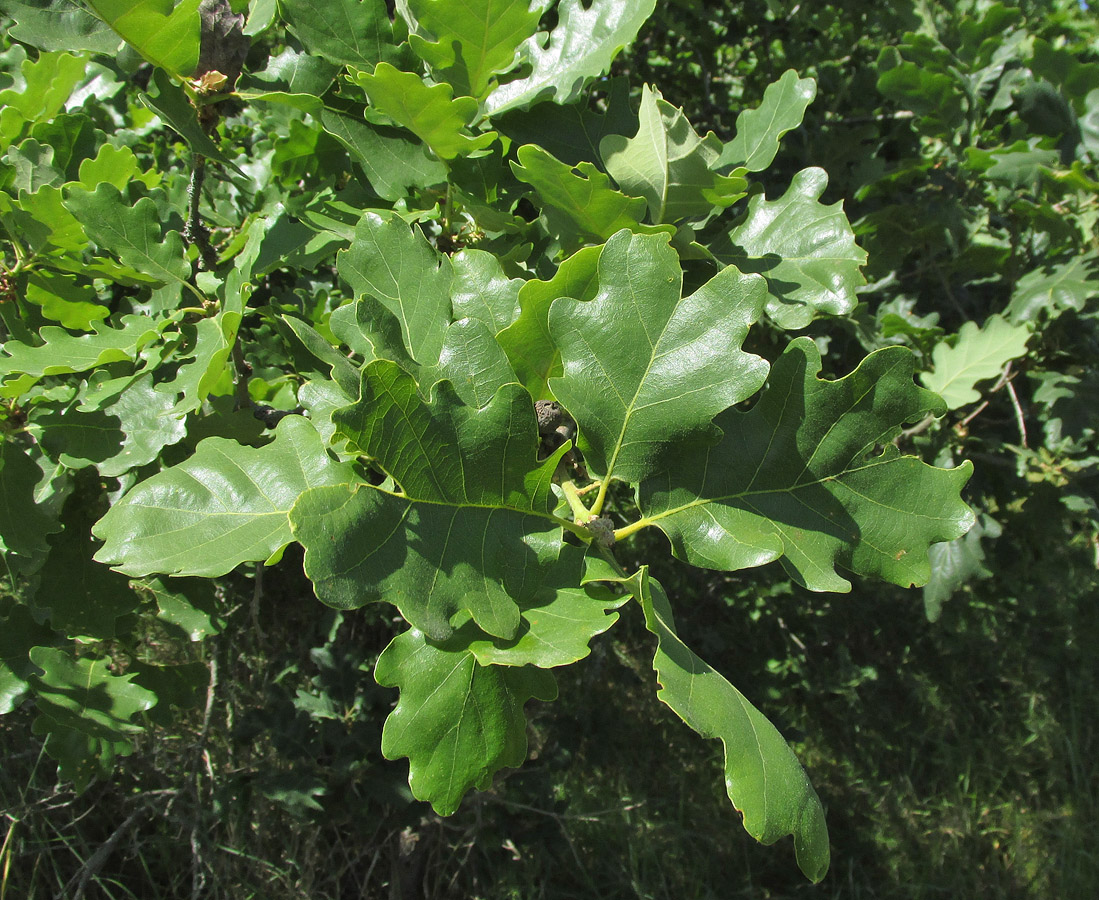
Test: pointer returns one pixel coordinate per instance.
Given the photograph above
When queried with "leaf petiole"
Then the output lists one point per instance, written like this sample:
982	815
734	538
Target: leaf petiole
581	514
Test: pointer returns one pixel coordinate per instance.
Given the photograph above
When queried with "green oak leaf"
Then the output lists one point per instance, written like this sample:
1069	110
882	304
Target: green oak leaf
351	32
578	202
458	722
473	40
32	167
188	604
953	563
527	341
132	233
224	506
1052	289
54	25
978	354
668	164
48	81
759	131
586	39
469	529
368	328
473	363
47	228
646	369
340	368
393	162
63	353
432	113
804	249
395	263
763	777
84	712
481	290
64	298
800	477
165	32
555	633
129	432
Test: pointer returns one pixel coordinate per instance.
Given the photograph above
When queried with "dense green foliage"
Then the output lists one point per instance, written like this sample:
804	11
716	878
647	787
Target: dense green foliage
313	329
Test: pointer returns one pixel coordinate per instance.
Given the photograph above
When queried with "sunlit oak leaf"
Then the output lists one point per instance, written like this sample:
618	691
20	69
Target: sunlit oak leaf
802	477
63	352
352	32
458	722
226	505
471	41
668	164
759	131
977	354
586	39
646	369
804	249
431	112
165	33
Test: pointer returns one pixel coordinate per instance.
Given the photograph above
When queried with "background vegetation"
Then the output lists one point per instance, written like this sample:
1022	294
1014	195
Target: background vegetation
955	757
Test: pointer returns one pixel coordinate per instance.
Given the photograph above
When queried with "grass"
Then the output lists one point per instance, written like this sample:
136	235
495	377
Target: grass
956	759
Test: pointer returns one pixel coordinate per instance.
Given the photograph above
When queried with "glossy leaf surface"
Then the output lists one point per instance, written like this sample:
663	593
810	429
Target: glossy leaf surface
579	49
804	249
632	355
801	478
469	530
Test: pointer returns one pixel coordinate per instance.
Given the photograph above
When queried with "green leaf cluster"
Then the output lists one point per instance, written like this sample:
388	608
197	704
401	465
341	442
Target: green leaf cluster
406	296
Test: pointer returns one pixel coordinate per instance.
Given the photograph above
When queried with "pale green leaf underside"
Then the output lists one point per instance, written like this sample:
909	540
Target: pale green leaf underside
668	164
798	477
226	505
978	354
759	131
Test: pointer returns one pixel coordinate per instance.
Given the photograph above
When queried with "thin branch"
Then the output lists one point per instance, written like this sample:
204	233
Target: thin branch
194	232
1018	412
